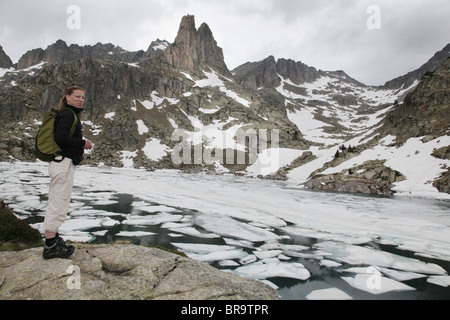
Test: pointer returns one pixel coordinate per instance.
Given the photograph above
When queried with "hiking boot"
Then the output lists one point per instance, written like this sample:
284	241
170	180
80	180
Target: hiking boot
58	250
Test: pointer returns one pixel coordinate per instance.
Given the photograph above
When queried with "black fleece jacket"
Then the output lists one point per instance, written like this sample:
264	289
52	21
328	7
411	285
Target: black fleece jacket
72	146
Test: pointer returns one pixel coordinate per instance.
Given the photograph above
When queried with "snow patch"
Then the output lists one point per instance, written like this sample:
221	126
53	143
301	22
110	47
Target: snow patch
213	80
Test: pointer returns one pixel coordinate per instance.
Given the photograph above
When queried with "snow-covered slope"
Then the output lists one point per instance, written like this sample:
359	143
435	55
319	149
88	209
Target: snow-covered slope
334	111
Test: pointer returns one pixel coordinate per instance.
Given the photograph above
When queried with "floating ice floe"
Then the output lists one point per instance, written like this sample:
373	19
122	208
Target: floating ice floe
261	270
191	231
226	226
25	204
202	248
73	229
151	219
443	281
248	259
135	233
356	255
153	209
401	275
328	294
78	236
329	263
100	233
228	263
104	202
265	254
379	285
210	252
85	212
316	234
293	247
239	243
219	255
87	223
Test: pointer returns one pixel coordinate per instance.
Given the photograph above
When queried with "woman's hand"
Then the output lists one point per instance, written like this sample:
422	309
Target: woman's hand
88	144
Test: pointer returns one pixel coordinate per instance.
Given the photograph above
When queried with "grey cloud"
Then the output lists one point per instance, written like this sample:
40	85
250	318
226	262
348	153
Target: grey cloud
328	35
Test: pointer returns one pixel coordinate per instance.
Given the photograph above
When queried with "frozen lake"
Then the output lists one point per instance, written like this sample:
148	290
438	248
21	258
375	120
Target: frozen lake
310	245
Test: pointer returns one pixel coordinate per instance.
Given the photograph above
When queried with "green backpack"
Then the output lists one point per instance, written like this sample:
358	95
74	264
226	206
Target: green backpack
46	147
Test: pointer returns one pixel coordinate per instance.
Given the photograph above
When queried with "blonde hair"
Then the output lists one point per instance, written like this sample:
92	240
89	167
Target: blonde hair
63	102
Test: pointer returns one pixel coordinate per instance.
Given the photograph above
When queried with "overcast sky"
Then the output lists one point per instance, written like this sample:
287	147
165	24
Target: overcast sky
371	40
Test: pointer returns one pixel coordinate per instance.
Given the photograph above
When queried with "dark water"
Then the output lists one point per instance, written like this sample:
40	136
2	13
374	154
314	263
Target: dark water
322	277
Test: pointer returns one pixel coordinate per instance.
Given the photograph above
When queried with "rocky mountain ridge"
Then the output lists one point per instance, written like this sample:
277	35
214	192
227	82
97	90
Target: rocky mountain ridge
266	73
409	78
59	52
179	101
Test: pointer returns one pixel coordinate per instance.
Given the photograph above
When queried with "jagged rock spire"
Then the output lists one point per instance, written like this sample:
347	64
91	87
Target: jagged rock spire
194	49
5	60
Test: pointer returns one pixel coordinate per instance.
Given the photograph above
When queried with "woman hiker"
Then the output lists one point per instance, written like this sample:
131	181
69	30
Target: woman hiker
62	170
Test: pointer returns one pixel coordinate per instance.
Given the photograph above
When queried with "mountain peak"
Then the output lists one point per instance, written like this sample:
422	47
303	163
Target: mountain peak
156	48
408	79
265	73
194	48
254	75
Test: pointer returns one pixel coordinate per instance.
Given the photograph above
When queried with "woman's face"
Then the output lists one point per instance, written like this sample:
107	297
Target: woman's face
76	99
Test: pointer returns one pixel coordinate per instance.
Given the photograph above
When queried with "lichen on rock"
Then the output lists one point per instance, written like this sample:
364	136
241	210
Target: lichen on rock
120	271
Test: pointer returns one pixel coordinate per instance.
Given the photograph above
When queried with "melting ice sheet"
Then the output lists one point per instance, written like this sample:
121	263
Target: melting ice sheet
260	229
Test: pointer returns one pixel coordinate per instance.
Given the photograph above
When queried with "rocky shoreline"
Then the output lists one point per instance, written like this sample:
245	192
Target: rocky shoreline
111	271
120	271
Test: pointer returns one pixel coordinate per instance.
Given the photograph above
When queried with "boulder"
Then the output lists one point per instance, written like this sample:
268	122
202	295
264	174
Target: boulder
120	271
443	182
350	186
371	177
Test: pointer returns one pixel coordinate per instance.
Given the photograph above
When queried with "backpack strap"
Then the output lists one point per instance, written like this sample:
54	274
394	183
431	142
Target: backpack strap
72	129
75	121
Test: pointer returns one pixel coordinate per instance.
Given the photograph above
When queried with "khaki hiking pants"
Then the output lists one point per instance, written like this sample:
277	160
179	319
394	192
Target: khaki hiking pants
61	183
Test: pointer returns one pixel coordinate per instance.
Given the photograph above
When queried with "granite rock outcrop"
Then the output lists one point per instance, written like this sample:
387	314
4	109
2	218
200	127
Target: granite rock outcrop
120	272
